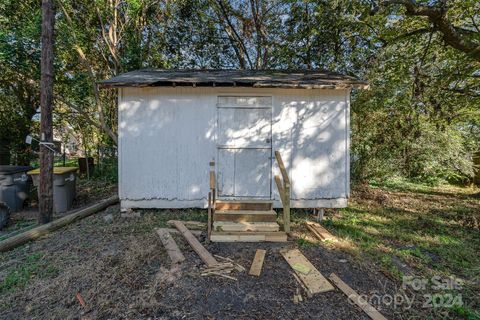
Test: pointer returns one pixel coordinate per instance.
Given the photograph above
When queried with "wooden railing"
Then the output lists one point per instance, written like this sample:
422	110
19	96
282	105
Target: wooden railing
283	186
211	199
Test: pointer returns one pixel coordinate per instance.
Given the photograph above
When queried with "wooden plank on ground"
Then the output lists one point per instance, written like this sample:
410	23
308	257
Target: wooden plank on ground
231	226
196	233
191	225
257	264
319	231
354	297
306	271
170	245
248	236
195	244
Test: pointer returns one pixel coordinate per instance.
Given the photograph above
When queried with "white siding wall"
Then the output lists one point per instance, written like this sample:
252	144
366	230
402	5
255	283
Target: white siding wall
167	138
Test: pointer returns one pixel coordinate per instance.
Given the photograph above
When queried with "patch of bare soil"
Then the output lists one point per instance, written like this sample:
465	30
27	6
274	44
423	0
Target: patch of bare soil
122	271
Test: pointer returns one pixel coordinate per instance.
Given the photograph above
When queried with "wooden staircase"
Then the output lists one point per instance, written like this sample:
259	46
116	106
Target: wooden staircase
246	220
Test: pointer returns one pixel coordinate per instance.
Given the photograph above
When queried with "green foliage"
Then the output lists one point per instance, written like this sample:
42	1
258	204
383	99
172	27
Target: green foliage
302	242
419	120
107	170
32	267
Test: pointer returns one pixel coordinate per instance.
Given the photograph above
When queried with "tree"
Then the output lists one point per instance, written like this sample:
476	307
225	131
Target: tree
463	35
46	104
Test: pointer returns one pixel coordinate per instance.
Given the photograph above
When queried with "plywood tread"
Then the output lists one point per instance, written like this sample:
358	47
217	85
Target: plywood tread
248	236
245	216
243	201
235	212
245	226
312	278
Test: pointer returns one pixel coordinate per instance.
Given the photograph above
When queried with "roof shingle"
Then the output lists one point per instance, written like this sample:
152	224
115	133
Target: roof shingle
302	79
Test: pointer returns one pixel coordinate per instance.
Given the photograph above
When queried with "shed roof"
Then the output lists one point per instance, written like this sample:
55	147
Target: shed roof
301	79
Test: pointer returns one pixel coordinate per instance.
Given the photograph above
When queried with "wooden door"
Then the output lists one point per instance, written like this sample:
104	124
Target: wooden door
244	144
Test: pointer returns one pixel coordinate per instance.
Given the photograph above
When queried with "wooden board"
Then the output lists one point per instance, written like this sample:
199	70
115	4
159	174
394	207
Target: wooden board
243	205
209	218
320	232
257	264
230	226
195	244
247	236
245	216
313	279
191	225
196	233
359	301
170	245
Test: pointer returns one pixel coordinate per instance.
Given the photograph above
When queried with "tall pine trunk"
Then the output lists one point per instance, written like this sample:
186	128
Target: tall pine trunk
46	102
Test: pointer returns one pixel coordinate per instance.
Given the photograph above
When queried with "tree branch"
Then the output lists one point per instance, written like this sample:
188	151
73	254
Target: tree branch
437	16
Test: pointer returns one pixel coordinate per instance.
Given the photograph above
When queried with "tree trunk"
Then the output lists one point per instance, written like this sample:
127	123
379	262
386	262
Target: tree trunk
46	101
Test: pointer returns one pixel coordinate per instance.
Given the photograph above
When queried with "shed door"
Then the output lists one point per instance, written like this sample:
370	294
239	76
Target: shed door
244	144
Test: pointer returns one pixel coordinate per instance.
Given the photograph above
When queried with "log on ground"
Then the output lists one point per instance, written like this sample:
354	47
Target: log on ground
42	230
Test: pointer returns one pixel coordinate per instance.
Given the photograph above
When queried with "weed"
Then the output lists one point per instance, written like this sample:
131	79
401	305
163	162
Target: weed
302	242
21	275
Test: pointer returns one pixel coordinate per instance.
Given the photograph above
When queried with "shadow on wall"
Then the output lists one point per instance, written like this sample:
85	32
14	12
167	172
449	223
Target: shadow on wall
167	138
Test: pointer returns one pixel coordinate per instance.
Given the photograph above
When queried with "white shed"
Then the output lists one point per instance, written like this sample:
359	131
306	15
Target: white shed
172	123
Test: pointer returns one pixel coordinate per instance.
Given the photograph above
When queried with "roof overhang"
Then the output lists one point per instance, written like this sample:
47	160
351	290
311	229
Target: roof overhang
288	79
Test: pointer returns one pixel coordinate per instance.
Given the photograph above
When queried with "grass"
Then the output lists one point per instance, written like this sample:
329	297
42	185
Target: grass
416	229
33	266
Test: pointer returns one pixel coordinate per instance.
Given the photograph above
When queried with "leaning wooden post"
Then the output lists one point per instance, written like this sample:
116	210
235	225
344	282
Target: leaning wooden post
286	209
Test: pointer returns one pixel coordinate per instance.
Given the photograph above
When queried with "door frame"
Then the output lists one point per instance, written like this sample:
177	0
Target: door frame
217	147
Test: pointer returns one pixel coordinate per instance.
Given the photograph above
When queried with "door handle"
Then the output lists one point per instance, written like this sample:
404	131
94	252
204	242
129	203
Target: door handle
268	140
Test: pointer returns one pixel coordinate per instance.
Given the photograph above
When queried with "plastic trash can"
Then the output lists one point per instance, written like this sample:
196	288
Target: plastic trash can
64	186
14	186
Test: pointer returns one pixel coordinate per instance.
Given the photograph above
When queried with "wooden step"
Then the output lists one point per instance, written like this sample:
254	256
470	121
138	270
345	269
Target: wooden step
229	226
248	236
264	205
245	216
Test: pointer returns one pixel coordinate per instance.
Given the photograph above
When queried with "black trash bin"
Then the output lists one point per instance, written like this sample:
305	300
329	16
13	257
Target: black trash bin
14	186
14	190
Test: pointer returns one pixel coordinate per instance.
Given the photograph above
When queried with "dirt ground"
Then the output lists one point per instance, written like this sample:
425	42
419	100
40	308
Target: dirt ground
87	192
121	271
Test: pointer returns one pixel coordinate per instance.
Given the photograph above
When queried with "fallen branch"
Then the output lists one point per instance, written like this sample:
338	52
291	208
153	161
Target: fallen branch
237	266
218	274
42	230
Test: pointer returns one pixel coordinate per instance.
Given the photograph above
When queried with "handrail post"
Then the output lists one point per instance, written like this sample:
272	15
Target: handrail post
284	191
211	200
